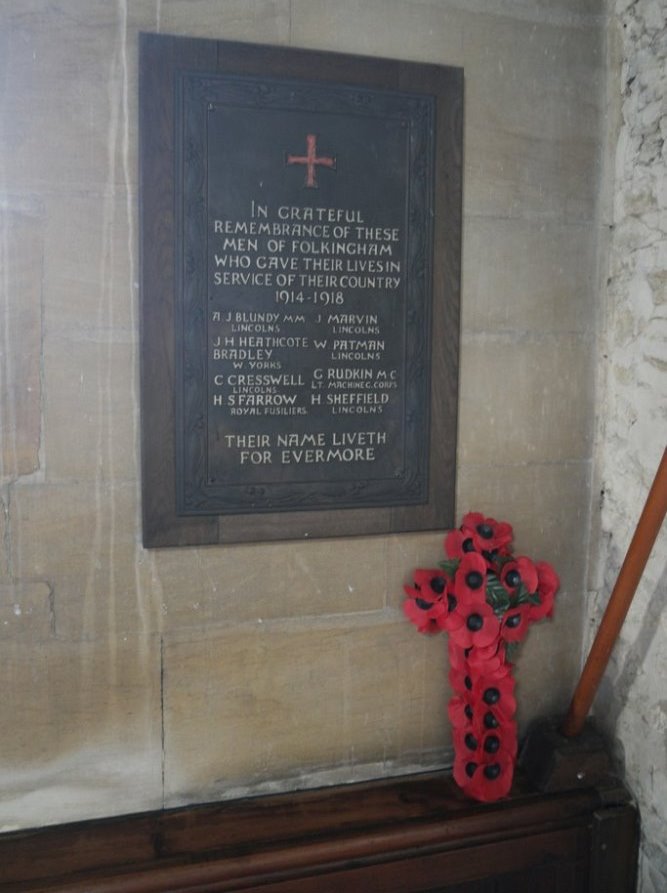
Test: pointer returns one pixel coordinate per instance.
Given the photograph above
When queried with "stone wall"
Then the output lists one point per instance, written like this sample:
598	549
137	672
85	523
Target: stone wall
133	679
632	703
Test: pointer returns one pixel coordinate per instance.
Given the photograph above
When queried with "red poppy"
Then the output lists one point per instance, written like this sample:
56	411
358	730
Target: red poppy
487	534
496	691
460	710
458	657
486	780
429	583
458	544
519	570
467	743
487	660
464	594
483	744
470	673
464	768
547	586
461	680
425	619
426	605
486	719
470	579
479	628
514	625
504	737
467	709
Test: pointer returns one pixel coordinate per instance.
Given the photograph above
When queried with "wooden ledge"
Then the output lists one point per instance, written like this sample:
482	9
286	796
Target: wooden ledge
327	837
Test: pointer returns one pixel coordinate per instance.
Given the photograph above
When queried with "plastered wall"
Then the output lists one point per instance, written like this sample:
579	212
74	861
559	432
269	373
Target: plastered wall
632	431
132	679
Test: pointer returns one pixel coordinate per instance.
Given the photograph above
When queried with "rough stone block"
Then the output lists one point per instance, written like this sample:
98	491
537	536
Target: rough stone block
268	581
5	536
21	262
264	21
521	276
525	399
406	553
509	175
548	662
533	76
82	541
547	504
283	701
26	612
91	266
88	742
91	386
432	32
70	73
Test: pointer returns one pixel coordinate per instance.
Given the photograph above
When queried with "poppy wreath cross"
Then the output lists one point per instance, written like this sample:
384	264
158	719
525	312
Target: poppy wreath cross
485	598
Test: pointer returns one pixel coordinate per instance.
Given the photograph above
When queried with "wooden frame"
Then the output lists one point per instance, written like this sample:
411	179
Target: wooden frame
190	495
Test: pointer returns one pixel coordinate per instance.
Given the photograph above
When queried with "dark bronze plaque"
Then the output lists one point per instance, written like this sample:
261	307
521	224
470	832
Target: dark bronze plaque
312	297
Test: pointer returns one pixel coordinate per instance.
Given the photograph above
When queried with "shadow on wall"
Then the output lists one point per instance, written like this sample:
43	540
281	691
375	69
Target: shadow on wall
615	688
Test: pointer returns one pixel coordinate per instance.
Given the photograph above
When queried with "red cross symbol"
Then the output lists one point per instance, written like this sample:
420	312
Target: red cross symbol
311	159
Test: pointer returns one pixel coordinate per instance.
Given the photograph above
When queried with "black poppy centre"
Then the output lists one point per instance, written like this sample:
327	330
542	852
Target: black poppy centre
475	622
513	579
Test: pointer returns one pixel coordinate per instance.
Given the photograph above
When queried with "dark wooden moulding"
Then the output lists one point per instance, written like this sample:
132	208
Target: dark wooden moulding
406	835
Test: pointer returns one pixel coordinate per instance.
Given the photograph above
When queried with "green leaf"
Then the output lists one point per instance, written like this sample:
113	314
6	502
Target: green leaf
523	596
496	595
450	566
534	599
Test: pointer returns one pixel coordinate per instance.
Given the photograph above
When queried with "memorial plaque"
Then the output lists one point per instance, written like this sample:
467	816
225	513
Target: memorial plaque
300	282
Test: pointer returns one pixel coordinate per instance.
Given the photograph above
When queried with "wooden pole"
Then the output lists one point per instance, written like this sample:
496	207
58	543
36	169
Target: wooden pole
628	578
